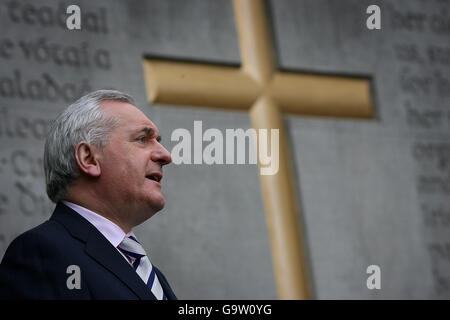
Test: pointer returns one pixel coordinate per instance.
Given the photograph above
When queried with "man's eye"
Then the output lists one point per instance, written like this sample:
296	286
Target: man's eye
142	139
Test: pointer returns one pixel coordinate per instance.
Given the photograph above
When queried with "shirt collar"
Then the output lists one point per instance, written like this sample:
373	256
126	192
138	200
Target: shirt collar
111	231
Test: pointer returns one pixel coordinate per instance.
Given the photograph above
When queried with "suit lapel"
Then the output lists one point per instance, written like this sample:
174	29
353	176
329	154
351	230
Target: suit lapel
101	250
165	285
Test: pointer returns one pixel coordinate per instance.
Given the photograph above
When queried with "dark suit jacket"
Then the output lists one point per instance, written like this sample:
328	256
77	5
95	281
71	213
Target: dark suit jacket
35	264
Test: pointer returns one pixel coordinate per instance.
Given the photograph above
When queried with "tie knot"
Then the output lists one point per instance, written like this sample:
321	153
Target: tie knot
132	247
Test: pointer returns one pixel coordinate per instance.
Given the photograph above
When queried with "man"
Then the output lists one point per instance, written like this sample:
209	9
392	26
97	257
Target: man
103	167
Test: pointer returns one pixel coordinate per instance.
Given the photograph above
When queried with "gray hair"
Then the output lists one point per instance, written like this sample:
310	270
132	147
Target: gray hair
84	120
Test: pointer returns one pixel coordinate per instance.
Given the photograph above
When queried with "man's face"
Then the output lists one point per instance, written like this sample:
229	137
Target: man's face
131	164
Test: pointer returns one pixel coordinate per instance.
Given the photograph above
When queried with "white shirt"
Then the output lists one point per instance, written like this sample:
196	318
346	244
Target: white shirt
111	231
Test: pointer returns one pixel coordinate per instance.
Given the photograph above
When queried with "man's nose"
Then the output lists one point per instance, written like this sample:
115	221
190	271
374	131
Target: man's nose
162	155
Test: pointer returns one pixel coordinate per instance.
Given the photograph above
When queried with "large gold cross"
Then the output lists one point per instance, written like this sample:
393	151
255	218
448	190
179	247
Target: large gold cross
258	87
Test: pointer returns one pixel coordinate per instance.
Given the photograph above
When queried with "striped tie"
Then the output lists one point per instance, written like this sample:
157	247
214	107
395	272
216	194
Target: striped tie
133	250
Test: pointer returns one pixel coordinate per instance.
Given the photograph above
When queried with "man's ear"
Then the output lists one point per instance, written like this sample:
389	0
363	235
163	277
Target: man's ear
87	159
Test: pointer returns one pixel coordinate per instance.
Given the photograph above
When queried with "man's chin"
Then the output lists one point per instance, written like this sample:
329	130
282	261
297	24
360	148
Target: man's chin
149	210
156	204
157	208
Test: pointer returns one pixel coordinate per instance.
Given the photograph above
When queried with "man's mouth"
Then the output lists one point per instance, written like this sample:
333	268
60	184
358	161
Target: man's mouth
154	176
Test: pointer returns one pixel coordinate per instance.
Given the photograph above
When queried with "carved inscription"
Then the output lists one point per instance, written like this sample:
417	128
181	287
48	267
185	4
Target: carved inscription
424	85
40	69
34	14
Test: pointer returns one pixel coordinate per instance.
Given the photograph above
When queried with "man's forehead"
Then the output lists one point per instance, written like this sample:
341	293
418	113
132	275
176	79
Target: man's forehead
127	114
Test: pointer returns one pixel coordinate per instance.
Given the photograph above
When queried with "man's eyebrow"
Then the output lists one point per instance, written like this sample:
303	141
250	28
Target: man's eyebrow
150	132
